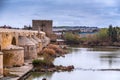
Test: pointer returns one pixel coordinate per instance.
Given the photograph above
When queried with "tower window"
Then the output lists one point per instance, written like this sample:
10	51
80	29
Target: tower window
42	26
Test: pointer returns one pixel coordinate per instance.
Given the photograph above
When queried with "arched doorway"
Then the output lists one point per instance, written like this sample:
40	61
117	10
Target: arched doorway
0	48
13	41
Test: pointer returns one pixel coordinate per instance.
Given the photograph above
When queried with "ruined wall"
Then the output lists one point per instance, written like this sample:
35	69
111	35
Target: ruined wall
43	25
1	63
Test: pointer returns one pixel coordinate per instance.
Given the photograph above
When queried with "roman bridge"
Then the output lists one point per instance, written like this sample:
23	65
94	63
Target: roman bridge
11	36
18	45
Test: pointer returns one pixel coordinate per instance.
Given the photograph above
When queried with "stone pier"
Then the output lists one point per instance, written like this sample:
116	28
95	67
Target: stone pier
13	56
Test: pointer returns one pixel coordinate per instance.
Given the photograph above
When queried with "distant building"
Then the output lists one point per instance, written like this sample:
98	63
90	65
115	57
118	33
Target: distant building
43	25
5	26
27	27
74	29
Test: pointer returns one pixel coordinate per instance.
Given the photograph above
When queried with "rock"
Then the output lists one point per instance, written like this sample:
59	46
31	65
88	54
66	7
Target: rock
70	67
42	70
56	68
50	70
44	79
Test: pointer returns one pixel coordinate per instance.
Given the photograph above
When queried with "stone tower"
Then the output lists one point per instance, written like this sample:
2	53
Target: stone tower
43	25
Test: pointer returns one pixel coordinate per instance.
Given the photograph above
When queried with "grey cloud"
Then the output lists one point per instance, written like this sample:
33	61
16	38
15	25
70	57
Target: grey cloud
64	12
1	4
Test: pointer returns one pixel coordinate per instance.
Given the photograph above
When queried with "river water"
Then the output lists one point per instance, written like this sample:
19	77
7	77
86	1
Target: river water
87	62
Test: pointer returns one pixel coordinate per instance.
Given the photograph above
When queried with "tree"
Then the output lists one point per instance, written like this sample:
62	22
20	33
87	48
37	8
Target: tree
72	38
118	33
112	32
114	35
102	35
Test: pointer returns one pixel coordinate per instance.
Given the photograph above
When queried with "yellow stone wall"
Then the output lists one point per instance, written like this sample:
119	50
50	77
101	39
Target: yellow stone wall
6	36
6	40
13	57
40	47
1	64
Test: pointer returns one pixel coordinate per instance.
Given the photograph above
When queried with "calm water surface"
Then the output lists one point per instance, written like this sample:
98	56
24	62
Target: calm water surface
87	61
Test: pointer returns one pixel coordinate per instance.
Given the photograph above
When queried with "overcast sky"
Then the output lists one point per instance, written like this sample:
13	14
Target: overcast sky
101	13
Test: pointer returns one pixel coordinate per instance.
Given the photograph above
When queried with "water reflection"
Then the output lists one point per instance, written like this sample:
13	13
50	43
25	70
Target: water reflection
104	49
91	58
85	60
40	76
112	59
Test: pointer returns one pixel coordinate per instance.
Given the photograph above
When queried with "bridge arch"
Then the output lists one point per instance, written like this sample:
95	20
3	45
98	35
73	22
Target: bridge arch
14	41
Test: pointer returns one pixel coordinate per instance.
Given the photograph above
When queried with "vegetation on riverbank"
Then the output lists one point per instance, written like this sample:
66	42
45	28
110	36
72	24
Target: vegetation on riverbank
53	50
71	38
49	54
104	37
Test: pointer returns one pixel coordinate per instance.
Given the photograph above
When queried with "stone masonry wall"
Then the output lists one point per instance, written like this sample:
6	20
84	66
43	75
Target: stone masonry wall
1	63
13	57
6	39
43	25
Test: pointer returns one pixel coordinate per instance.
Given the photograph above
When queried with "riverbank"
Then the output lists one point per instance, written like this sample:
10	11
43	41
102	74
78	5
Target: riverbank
102	43
49	53
90	63
54	69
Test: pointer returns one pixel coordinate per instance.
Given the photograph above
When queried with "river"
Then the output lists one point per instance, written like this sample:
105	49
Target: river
87	62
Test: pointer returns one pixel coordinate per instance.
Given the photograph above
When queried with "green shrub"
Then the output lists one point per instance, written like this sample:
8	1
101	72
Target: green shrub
48	59
38	62
42	63
102	35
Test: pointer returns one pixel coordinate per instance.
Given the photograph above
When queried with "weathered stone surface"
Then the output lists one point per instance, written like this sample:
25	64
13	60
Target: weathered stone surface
6	39
13	56
19	71
30	51
35	42
11	37
43	25
39	42
7	35
1	63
